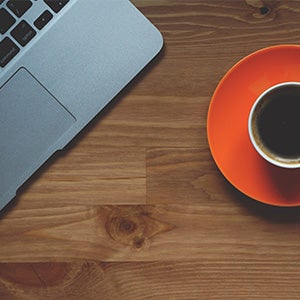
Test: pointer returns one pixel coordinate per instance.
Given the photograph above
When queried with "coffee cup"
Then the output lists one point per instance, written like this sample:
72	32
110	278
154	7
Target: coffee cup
274	125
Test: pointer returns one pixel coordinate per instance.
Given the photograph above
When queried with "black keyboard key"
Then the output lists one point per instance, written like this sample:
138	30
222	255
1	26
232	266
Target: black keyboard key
56	5
6	20
23	33
43	19
8	51
19	7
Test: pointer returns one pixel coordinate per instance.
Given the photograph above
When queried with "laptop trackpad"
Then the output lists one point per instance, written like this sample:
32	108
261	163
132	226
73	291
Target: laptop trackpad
31	121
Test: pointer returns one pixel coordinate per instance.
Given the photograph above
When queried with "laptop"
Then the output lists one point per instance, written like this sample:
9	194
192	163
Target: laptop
61	63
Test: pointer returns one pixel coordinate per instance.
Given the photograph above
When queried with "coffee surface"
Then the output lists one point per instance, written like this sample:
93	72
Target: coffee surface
278	122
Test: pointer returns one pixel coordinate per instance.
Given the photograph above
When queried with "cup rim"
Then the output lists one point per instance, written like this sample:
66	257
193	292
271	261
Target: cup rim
279	163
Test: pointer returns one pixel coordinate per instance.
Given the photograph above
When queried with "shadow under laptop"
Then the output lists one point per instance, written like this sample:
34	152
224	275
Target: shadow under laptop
90	127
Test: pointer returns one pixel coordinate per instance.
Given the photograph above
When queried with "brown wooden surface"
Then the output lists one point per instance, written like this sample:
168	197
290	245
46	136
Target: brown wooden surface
135	207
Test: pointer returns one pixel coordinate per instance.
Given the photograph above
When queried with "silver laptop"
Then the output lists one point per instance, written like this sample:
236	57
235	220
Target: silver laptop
61	63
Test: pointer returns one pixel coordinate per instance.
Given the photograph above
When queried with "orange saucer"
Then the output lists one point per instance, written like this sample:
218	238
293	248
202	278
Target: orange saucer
227	126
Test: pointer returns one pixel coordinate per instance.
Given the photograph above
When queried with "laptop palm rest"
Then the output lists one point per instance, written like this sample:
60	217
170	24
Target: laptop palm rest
31	123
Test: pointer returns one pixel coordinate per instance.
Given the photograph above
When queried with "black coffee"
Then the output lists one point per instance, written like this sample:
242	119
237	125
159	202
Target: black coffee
278	122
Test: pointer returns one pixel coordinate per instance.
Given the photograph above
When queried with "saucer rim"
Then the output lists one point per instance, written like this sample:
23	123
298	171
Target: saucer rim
213	99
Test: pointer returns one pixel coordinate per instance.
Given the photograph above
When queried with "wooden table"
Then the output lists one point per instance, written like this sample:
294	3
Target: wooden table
135	207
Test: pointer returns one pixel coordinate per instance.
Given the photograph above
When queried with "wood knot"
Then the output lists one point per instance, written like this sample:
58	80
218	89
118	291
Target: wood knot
264	10
261	10
138	242
125	226
134	226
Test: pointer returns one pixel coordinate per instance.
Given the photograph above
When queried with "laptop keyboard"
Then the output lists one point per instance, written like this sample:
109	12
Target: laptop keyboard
20	22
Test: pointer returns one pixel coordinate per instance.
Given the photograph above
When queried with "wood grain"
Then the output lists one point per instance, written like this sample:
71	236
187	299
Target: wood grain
152	280
149	121
135	207
100	175
149	233
185	176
